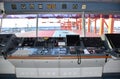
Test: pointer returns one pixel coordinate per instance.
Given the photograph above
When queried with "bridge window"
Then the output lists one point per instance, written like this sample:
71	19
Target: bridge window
54	25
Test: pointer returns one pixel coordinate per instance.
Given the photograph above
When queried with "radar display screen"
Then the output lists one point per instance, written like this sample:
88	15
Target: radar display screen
73	40
114	40
92	42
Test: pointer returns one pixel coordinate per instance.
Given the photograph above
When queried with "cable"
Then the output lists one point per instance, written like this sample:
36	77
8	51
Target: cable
107	54
78	56
4	55
106	59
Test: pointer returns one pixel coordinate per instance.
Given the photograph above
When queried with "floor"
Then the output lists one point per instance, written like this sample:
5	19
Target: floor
105	76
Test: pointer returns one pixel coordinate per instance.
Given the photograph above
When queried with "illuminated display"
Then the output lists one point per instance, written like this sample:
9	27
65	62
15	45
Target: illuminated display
51	6
23	6
61	43
13	6
75	6
83	6
40	6
31	6
64	6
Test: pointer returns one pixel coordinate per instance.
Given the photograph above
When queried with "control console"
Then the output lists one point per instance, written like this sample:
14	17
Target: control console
53	46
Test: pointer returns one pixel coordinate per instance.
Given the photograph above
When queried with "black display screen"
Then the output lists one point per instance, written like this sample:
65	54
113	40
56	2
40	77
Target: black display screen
73	40
114	40
92	42
28	41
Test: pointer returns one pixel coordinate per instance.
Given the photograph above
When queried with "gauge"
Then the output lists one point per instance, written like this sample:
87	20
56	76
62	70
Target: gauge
64	6
13	6
40	6
23	6
75	6
84	6
31	6
51	6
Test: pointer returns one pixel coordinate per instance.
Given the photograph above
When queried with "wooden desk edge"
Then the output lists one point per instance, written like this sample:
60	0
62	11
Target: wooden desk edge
55	57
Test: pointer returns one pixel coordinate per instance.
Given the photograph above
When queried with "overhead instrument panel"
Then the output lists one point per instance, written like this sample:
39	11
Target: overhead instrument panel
113	42
59	6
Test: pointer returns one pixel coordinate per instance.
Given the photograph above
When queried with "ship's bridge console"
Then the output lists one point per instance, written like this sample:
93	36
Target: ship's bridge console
48	57
71	45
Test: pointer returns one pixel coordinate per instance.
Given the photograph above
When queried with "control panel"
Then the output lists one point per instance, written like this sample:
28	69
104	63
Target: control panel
58	46
59	6
40	46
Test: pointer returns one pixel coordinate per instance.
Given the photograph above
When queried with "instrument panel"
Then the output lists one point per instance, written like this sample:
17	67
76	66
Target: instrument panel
59	6
58	46
33	46
71	45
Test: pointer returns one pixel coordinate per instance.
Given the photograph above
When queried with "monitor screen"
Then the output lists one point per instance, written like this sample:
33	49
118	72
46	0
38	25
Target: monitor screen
114	40
73	40
92	42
